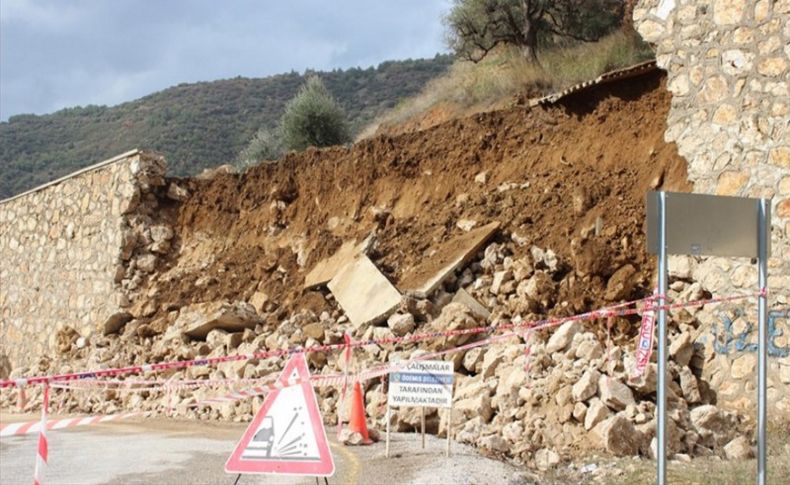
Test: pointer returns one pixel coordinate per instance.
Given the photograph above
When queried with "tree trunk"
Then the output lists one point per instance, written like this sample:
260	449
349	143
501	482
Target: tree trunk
628	17
529	43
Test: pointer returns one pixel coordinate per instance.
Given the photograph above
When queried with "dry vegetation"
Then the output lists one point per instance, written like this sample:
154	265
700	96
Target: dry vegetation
494	81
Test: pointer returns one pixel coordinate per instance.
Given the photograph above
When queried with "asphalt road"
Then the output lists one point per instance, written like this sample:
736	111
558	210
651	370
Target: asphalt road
165	451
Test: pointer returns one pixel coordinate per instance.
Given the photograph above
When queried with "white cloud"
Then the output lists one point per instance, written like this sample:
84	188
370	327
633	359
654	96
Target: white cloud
55	54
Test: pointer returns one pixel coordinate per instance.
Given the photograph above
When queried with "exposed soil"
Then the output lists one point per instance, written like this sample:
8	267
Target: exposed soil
591	157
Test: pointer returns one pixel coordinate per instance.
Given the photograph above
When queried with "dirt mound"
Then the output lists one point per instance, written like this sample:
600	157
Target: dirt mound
548	175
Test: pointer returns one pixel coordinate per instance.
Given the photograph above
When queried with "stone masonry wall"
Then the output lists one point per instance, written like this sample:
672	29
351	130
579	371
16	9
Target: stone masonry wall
728	65
70	254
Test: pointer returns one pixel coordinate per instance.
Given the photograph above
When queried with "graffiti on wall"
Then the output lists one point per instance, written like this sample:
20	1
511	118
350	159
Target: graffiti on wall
726	341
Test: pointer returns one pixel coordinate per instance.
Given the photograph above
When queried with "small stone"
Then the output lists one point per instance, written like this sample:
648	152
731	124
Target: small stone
546	459
614	393
709	417
589	350
587	386
147	263
401	323
258	300
689	386
314	330
738	449
728	12
579	411
780	156
621	284
481	178
619	436
116	322
772	66
563	336
466	225
494	442
350	438
176	192
731	182
597	411
714	90
681	349
500	277
743	366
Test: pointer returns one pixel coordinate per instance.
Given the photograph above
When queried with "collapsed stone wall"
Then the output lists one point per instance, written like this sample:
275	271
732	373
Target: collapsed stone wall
71	255
728	65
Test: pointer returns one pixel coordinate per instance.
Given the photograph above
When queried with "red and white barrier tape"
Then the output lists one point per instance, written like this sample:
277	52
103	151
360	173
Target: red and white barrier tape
612	311
331	380
30	427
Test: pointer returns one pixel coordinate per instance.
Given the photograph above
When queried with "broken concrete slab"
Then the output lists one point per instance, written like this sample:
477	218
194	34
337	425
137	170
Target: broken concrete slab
463	297
364	293
421	280
196	321
326	269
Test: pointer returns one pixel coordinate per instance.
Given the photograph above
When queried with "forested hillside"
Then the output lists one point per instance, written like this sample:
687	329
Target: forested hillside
196	125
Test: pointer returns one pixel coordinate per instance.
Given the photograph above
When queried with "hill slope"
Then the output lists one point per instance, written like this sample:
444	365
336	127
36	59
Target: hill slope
196	125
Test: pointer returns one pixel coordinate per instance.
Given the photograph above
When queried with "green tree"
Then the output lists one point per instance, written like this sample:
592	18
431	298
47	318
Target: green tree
475	27
313	118
266	144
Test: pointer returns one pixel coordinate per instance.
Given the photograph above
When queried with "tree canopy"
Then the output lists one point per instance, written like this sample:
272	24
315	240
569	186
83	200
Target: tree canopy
475	27
313	118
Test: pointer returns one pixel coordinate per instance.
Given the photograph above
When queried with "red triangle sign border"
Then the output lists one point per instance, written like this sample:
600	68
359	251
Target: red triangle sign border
325	466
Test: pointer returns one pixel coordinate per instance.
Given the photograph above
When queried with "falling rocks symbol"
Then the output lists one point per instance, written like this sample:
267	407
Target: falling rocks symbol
287	435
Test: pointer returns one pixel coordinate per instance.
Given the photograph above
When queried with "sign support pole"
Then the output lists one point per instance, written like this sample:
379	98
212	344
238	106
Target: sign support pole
661	388
387	448
422	425
449	427
762	309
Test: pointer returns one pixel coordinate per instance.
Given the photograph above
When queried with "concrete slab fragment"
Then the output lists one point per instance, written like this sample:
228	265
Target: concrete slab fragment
326	269
364	293
421	280
463	297
197	320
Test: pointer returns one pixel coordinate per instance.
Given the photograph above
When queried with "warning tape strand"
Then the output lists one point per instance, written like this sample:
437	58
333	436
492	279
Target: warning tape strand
612	311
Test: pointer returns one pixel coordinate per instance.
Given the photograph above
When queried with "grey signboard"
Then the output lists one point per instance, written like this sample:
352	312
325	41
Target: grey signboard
700	224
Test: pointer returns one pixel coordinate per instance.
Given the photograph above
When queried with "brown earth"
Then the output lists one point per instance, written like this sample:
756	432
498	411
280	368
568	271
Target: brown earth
590	157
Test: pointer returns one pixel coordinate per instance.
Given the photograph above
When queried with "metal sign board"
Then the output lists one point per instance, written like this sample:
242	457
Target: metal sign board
287	435
700	224
424	383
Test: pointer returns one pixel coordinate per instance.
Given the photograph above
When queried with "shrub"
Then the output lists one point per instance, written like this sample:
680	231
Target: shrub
313	118
266	145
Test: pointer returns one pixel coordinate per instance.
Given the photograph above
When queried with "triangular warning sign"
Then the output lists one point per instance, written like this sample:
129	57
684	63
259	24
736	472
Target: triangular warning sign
287	435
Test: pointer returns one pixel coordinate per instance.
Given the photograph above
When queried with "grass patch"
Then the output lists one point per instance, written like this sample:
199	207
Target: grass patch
504	74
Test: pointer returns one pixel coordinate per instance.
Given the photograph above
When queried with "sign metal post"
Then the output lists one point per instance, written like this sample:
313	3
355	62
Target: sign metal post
699	224
661	392
763	235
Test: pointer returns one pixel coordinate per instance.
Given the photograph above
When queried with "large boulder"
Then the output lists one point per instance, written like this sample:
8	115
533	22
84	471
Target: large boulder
619	437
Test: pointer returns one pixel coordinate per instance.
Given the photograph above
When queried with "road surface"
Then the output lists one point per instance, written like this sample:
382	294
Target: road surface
152	451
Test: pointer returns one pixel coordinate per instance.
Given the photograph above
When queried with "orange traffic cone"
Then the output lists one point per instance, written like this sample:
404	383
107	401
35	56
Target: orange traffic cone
357	422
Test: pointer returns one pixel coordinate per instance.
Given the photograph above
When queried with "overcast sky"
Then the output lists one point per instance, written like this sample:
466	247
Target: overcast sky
60	53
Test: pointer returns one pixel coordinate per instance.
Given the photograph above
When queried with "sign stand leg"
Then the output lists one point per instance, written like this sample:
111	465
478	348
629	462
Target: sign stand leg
237	479
387	447
661	388
422	425
449	427
762	316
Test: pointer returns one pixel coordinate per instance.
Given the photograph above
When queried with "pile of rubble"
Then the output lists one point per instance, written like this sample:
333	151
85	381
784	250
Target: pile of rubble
572	392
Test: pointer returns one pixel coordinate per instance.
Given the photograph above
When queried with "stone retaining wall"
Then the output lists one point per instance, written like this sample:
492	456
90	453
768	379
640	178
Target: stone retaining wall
69	253
728	65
